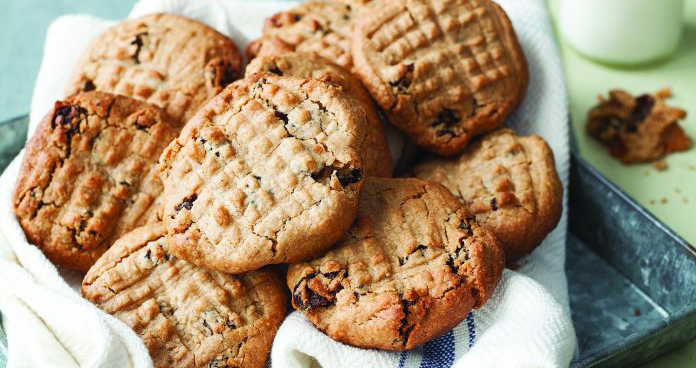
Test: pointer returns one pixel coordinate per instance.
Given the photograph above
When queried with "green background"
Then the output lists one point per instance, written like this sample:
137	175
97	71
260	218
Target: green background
23	25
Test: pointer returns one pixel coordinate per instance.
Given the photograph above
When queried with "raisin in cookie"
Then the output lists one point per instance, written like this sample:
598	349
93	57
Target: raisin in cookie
186	315
318	27
638	129
444	71
89	175
377	159
411	267
269	171
168	60
509	183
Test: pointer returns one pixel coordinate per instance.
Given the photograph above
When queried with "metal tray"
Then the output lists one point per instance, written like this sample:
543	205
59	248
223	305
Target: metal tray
632	281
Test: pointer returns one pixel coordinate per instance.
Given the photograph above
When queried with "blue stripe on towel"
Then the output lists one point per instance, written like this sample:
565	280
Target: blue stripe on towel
439	353
402	359
472	328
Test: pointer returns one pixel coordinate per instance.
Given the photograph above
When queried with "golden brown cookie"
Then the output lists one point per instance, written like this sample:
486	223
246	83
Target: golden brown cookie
89	175
187	316
316	26
638	129
165	59
444	71
307	65
509	183
269	171
411	267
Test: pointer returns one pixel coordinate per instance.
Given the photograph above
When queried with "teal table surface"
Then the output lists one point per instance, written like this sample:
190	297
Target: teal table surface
23	25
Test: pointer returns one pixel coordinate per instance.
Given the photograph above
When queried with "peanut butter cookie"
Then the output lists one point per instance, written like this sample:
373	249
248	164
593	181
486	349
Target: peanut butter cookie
168	60
306	65
509	183
269	171
316	26
411	267
444	71
89	175
187	316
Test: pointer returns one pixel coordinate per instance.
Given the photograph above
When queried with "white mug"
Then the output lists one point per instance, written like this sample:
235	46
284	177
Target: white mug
622	31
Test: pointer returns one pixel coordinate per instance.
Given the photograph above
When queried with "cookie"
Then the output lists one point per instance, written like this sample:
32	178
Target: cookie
412	267
168	60
509	183
444	71
269	171
316	26
89	175
638	129
377	159
186	315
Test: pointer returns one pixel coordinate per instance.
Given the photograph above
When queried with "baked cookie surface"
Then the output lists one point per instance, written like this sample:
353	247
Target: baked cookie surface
89	175
165	59
187	316
411	267
509	183
269	171
444	71
316	26
638	129
377	158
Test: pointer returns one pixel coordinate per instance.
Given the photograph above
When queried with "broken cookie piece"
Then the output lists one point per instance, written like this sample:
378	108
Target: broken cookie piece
638	129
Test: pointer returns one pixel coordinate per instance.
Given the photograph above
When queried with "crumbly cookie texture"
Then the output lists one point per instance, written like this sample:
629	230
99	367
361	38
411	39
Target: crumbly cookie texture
89	175
377	158
168	60
269	171
638	129
411	267
316	26
187	316
509	183
444	71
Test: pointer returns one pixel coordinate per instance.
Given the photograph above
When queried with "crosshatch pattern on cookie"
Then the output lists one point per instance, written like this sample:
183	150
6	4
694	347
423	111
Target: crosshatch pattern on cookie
377	158
268	172
186	315
411	267
318	27
165	59
509	183
443	70
89	175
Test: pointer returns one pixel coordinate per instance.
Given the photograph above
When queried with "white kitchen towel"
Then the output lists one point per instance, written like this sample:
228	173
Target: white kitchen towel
526	323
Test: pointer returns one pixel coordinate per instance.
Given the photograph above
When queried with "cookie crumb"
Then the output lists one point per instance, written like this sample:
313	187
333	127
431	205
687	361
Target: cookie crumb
660	165
685	200
663	93
692	167
652	201
663	200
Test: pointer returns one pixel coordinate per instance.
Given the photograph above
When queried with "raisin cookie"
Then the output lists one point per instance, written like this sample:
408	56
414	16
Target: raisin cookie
165	59
444	71
509	183
638	129
306	65
89	175
269	171
186	315
318	27
411	267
